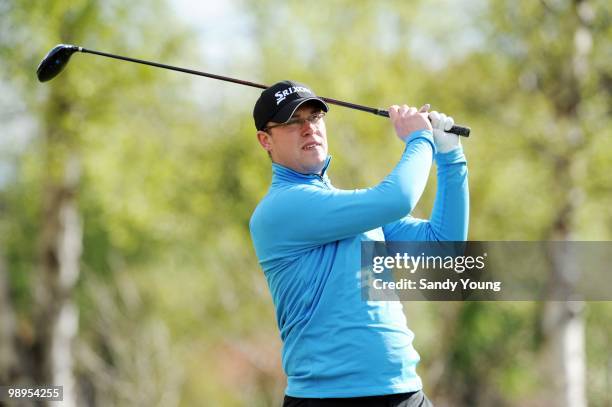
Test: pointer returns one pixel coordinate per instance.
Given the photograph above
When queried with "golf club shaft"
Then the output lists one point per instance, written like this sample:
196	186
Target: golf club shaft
456	129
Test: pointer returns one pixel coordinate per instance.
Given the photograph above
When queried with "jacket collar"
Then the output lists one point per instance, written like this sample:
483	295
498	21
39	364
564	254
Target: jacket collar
282	174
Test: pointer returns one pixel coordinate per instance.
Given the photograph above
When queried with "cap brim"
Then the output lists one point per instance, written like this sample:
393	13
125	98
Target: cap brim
286	112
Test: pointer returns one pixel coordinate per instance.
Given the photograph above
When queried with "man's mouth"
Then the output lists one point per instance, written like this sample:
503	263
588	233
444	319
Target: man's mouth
311	146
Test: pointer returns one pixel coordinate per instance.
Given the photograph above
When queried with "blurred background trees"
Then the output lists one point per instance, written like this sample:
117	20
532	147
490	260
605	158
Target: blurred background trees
126	266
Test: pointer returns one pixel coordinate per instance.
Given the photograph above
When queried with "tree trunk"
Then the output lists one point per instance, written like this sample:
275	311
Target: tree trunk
56	321
563	328
8	354
563	321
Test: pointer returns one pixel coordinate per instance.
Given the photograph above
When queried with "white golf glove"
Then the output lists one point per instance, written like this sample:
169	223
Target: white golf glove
445	142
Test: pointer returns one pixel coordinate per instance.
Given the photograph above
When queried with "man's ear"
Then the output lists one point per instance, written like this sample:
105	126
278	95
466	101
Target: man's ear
265	140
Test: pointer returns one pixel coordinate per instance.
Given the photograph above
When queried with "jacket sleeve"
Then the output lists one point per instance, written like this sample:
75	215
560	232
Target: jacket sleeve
304	216
450	215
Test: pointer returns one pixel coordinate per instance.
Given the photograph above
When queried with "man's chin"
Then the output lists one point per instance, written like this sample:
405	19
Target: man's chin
315	167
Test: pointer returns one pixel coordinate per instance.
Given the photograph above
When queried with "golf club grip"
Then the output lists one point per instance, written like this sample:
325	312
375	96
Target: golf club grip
462	131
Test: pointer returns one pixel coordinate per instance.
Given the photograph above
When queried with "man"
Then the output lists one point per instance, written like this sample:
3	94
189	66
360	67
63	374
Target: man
337	348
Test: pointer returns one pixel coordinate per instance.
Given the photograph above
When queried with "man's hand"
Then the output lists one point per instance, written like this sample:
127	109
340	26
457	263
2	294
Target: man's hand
407	120
445	142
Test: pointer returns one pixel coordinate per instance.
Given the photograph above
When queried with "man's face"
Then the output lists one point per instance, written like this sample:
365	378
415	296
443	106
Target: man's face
299	146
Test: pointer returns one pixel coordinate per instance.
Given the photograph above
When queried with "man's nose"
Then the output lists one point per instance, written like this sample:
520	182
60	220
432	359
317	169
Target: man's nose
308	128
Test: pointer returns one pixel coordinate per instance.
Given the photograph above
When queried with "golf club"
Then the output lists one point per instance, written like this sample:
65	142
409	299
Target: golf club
55	61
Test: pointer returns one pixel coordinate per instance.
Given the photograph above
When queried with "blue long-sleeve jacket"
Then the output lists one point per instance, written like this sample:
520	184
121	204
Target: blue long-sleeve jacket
307	236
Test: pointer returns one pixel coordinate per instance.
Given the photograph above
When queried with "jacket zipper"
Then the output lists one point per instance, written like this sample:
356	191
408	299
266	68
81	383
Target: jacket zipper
322	181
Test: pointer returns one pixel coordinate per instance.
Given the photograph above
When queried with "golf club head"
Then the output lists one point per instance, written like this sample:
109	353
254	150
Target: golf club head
55	61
